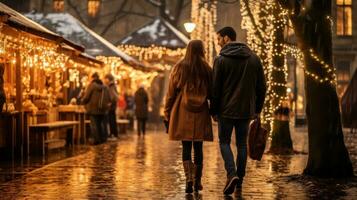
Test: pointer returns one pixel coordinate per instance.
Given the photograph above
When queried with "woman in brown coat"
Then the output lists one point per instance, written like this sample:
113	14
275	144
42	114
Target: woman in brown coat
187	112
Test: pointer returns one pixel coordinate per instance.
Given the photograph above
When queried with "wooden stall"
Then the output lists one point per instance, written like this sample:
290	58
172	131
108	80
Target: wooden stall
159	44
38	68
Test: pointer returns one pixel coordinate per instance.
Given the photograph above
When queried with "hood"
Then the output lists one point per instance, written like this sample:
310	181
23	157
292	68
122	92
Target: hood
236	50
97	84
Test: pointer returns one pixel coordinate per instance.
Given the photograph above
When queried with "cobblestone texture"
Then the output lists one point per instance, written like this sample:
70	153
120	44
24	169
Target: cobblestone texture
150	168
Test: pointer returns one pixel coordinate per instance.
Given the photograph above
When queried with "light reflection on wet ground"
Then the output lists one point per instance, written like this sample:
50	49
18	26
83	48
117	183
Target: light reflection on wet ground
150	168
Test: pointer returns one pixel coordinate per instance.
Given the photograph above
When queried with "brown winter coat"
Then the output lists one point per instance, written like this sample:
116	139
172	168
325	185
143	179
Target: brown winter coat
183	124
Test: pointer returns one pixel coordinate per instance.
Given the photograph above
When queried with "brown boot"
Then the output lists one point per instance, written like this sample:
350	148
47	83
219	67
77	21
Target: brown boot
198	176
188	168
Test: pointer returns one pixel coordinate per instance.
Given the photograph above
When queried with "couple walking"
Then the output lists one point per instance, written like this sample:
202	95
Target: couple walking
232	94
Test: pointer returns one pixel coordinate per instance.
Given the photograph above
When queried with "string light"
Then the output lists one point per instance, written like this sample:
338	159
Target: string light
261	24
204	15
40	54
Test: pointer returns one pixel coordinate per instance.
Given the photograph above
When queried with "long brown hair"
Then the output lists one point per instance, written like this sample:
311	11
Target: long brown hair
193	69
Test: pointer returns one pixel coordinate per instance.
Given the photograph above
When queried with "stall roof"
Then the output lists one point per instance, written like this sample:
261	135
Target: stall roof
158	32
19	21
72	29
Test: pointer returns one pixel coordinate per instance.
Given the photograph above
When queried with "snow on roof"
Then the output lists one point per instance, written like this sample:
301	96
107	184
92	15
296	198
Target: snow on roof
157	32
70	28
20	19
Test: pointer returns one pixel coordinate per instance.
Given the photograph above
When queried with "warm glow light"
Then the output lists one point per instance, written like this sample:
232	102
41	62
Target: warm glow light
93	7
190	26
58	5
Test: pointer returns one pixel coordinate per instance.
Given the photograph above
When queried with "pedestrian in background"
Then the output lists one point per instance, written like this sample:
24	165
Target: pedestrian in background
238	95
187	111
112	119
2	91
97	103
130	108
141	109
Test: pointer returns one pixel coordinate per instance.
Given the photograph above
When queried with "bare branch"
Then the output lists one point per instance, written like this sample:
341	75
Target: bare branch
75	8
115	17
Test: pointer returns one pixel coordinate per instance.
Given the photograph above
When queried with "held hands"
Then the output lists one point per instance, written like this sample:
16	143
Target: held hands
215	118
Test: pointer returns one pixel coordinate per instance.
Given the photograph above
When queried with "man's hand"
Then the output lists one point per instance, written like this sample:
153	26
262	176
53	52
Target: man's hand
215	118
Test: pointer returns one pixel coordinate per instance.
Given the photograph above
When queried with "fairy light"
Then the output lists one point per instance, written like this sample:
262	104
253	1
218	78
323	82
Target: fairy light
42	54
204	15
261	36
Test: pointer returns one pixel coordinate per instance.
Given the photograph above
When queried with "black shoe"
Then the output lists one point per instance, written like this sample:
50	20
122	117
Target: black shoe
230	185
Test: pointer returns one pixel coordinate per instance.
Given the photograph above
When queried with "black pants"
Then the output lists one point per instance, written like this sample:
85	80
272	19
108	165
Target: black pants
112	119
198	153
97	128
141	125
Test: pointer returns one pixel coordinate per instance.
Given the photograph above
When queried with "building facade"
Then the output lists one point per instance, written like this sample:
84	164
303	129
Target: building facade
344	14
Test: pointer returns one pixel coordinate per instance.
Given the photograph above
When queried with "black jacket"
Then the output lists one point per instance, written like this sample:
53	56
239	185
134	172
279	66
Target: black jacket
141	103
93	96
238	83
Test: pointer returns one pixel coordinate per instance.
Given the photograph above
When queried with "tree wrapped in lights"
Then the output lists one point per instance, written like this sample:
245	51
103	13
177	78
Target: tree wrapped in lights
204	15
265	22
328	156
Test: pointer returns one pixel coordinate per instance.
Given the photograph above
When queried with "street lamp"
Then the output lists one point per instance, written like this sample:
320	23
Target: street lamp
189	26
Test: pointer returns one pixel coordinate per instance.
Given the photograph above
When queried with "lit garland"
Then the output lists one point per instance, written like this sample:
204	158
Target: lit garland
41	54
120	70
153	54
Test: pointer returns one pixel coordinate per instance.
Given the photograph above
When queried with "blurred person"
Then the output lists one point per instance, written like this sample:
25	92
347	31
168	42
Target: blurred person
141	109
121	105
97	102
112	121
129	111
2	91
187	112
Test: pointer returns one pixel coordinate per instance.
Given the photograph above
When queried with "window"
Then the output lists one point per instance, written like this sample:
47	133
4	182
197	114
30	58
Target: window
93	7
344	17
58	5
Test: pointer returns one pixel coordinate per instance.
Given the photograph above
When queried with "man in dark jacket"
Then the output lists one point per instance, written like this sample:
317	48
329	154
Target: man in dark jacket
141	109
238	96
97	102
109	82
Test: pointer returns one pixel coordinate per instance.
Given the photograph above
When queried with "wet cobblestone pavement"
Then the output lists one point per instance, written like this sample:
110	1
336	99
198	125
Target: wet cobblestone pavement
150	167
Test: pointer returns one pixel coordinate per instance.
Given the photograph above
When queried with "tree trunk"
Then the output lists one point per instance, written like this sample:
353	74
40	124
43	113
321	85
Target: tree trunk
281	140
328	156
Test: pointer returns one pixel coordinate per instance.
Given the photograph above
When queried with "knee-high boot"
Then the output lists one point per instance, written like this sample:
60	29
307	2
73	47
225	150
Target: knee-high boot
198	175
189	169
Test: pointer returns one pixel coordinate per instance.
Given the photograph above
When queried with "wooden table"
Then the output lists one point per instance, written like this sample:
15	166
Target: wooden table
75	115
43	128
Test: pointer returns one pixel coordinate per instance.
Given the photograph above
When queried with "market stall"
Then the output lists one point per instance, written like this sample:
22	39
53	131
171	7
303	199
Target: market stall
38	65
160	44
128	70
